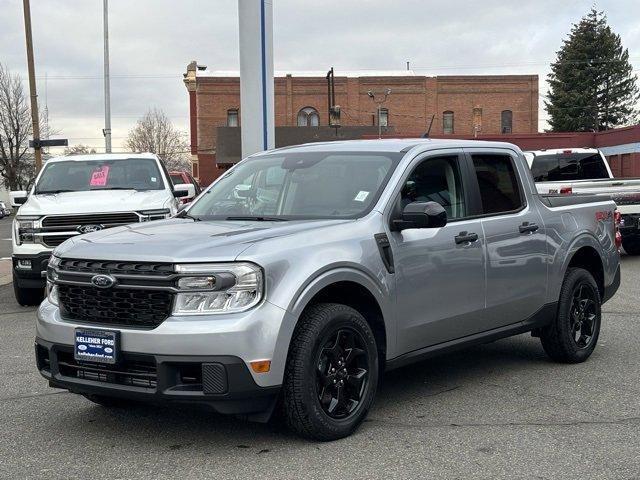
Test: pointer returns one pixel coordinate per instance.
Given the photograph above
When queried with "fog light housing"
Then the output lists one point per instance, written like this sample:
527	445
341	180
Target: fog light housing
23	264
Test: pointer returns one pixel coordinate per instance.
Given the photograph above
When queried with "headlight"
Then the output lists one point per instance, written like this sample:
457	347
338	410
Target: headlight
218	288
158	214
24	228
52	292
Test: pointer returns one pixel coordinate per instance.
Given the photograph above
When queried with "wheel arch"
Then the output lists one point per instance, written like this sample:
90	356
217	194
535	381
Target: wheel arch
585	253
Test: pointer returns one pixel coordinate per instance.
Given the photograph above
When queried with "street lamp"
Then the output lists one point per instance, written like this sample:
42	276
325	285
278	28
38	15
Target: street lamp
379	104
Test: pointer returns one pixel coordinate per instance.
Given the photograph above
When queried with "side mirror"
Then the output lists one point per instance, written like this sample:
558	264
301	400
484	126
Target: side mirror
184	190
421	215
18	197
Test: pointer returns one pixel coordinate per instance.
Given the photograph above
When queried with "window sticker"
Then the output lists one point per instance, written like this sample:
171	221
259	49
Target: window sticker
99	177
361	196
153	179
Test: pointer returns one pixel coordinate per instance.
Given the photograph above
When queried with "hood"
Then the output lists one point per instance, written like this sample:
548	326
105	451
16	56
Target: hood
96	201
182	240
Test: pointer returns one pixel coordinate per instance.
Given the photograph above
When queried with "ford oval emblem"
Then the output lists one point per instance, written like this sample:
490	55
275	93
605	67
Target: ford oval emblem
103	281
89	228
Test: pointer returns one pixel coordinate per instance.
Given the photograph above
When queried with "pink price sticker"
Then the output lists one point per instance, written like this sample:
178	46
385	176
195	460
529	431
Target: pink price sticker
99	177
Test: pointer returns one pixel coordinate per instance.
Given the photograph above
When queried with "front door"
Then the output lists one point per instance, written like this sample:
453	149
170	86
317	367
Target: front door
440	272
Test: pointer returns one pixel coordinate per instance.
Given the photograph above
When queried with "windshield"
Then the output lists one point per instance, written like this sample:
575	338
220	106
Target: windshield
299	186
80	176
568	166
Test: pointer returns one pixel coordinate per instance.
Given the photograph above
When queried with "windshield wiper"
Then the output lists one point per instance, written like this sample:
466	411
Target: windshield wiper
258	218
184	214
51	192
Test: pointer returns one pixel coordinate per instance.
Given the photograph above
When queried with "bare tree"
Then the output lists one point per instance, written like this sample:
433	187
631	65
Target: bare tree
156	134
17	166
79	149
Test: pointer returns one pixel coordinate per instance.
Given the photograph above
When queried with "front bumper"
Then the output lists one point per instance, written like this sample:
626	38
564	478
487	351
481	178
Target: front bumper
30	277
217	381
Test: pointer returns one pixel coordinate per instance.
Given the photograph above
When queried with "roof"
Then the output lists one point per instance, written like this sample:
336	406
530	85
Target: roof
393	145
101	157
315	73
560	151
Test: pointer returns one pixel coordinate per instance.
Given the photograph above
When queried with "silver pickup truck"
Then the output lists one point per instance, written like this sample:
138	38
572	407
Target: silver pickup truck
303	273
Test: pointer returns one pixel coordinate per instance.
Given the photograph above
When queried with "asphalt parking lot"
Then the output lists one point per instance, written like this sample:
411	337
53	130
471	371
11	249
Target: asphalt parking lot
501	410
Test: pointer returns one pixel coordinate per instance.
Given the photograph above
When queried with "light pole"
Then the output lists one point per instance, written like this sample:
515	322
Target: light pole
379	104
35	118
107	93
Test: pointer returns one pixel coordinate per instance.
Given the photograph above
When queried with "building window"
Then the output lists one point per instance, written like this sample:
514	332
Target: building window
477	120
447	122
506	121
232	117
308	117
384	117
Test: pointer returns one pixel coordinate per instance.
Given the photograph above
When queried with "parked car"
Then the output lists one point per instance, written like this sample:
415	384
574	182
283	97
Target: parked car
182	177
80	194
4	210
586	170
303	273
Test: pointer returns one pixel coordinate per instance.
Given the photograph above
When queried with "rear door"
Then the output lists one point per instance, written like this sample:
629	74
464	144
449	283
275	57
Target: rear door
515	237
440	276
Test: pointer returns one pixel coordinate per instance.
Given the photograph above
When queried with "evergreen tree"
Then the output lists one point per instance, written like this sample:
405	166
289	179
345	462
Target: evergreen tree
592	84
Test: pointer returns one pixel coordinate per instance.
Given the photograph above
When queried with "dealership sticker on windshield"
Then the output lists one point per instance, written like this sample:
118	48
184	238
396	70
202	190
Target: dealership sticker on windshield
361	196
99	177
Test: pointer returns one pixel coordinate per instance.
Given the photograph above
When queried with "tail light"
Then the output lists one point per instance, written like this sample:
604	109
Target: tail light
566	190
617	220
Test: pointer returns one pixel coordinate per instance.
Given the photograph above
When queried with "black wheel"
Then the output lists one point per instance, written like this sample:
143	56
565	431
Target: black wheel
573	335
331	374
631	246
110	402
28	296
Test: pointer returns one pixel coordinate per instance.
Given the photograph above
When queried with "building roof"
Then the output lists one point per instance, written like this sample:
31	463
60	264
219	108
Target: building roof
315	73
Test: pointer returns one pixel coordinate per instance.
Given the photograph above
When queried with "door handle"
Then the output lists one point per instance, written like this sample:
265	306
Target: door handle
527	227
466	237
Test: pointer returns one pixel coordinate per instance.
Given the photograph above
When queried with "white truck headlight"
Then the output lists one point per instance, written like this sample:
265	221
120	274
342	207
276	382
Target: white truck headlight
209	288
157	214
24	228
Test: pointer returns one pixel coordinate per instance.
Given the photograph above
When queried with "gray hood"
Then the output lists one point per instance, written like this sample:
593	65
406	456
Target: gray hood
181	240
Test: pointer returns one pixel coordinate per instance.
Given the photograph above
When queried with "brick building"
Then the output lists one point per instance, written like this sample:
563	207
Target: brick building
459	105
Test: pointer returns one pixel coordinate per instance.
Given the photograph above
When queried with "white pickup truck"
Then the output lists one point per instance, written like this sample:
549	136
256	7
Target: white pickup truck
585	170
81	194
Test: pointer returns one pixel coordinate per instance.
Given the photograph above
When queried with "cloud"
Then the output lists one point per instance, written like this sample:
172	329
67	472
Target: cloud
151	42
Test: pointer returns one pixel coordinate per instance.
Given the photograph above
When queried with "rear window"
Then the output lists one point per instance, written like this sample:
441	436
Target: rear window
498	183
568	166
176	178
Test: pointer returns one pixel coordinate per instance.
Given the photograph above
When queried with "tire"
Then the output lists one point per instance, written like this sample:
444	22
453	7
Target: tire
28	297
573	335
313	406
110	402
631	246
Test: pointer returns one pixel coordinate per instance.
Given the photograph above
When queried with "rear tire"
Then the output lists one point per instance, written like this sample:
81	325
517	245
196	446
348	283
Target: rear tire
631	246
573	335
28	297
331	374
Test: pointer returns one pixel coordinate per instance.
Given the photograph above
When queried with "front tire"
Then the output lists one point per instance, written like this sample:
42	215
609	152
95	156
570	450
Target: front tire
331	374
27	297
573	335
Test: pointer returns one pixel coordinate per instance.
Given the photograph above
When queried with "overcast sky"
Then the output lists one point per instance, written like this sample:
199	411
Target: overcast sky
152	41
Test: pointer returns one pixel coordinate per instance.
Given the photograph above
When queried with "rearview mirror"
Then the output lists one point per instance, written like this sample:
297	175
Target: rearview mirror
421	215
18	197
184	190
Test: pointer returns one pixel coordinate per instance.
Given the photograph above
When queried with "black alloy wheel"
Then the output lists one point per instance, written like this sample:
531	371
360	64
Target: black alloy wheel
342	374
584	314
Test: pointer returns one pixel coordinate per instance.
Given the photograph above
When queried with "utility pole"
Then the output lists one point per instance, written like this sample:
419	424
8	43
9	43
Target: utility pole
379	104
35	119
107	94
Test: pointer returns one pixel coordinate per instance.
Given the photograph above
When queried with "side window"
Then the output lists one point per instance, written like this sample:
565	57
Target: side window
438	180
498	183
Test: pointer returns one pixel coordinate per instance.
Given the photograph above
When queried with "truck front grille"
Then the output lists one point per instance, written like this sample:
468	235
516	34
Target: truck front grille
71	222
115	306
115	268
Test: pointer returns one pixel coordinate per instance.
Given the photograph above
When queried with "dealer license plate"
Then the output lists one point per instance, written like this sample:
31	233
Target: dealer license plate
99	346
